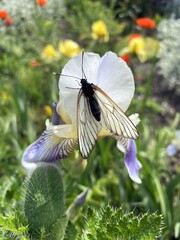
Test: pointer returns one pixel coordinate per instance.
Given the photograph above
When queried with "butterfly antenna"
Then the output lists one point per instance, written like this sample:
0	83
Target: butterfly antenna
64	75
83	73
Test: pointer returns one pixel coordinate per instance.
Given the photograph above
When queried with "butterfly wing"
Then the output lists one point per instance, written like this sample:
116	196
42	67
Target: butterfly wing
49	148
88	127
124	142
113	118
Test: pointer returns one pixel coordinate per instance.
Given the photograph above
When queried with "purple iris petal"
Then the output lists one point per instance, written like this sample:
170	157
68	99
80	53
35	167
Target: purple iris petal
131	161
56	118
47	148
171	150
55	115
81	198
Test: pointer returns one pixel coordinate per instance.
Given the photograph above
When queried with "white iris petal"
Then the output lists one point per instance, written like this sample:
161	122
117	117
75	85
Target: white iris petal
116	79
110	73
69	87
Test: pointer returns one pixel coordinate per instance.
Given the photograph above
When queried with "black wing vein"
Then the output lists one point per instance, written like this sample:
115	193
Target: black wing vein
88	127
113	118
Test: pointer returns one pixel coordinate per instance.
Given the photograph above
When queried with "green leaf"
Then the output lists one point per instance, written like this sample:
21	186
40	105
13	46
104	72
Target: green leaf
44	200
71	232
115	224
58	229
10	224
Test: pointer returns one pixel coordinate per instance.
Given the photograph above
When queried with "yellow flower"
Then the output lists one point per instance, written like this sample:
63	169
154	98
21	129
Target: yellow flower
48	110
69	48
49	52
136	45
100	31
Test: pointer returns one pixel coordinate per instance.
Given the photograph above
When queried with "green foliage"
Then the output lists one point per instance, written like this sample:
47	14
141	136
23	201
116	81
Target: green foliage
115	224
44	199
80	17
169	59
11	226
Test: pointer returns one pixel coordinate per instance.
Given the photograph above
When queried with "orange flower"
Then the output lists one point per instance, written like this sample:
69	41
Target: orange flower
8	21
145	23
134	35
35	63
3	14
126	58
41	2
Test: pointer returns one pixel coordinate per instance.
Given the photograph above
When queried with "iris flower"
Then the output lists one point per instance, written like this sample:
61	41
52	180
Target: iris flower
114	77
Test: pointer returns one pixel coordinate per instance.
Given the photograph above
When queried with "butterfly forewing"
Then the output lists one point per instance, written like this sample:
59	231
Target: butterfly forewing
88	126
113	118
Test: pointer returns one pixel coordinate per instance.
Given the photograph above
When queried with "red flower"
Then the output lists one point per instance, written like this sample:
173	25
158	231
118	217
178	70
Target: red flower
3	14
8	21
145	22
134	35
41	2
126	58
35	63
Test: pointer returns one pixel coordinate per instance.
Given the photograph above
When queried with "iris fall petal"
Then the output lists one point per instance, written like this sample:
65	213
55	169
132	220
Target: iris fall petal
132	163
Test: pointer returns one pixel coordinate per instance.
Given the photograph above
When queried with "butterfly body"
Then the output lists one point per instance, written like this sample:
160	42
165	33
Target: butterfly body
88	91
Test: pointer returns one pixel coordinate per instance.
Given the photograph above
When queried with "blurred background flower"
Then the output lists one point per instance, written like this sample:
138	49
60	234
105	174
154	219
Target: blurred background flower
41	2
126	58
100	31
145	23
8	21
35	63
49	52
48	111
69	48
3	14
136	45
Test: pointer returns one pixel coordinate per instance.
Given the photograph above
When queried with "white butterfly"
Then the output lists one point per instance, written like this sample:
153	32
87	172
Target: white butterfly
96	110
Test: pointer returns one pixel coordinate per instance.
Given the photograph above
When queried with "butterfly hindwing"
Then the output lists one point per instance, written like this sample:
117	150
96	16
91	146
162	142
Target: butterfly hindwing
113	118
88	126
